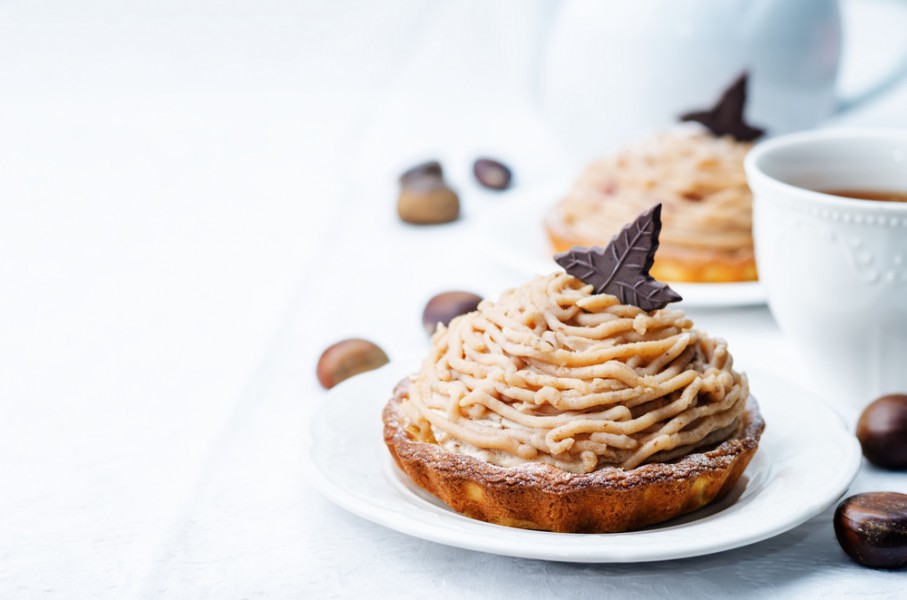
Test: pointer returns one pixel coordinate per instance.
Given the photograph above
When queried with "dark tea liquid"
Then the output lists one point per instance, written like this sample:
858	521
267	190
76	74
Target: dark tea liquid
884	196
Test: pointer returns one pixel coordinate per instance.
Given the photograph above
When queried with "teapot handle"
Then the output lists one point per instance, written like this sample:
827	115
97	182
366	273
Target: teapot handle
897	72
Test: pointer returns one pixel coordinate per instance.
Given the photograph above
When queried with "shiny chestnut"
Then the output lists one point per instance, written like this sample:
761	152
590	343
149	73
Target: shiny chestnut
443	307
430	169
492	173
882	431
346	358
872	529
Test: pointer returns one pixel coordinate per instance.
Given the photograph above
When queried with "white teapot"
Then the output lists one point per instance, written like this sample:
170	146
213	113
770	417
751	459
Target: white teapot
612	70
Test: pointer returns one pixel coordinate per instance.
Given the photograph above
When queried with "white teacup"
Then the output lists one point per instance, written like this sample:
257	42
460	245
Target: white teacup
615	70
835	268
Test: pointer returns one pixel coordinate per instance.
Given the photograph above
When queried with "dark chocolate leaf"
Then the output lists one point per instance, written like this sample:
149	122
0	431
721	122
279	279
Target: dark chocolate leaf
622	268
726	118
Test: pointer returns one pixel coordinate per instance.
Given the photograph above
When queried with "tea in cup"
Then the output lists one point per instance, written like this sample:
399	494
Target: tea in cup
830	234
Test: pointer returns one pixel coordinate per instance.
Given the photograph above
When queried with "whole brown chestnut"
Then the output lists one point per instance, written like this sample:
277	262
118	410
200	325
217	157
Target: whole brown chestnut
882	431
443	307
429	169
346	358
427	201
492	173
872	529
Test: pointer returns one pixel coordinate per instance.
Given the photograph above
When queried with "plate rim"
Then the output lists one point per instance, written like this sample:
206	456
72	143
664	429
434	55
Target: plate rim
486	537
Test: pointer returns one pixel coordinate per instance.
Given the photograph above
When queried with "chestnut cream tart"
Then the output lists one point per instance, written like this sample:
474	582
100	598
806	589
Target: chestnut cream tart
696	171
562	407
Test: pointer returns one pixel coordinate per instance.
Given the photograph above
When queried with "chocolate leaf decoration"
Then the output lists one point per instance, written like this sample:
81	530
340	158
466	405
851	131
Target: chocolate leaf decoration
622	268
726	118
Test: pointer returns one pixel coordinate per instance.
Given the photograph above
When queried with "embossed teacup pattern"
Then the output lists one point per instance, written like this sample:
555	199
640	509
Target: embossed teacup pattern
858	241
835	269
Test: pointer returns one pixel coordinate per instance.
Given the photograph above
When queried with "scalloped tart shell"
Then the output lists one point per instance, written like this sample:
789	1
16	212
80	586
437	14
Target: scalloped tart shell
541	496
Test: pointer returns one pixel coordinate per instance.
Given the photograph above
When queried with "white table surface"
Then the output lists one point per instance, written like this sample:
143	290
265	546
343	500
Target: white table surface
195	199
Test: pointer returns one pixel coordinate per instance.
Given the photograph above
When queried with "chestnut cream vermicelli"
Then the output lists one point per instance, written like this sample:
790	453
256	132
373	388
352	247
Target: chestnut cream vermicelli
699	179
555	373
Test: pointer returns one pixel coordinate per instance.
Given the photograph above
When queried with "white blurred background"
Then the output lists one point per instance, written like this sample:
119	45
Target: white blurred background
171	175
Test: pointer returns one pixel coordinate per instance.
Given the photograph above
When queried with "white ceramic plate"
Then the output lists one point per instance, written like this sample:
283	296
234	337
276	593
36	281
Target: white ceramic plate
516	237
805	462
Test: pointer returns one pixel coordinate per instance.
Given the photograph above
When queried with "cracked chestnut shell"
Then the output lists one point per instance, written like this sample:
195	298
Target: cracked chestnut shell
872	529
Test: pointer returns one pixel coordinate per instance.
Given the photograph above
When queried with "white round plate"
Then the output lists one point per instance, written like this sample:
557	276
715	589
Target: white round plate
516	237
805	462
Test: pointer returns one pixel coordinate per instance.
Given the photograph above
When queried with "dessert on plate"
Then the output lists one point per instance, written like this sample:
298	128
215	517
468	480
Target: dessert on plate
577	402
696	172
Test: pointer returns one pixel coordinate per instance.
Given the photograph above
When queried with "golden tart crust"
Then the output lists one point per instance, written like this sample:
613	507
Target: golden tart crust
672	264
541	496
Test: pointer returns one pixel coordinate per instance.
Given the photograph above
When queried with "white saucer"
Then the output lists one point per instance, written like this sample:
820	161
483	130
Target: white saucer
805	462
516	237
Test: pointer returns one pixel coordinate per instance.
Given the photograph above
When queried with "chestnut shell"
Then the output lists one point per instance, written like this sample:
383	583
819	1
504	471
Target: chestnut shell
443	307
882	431
347	358
872	529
